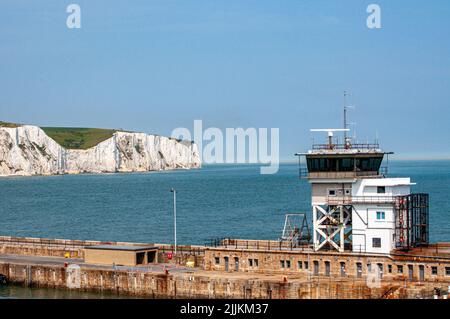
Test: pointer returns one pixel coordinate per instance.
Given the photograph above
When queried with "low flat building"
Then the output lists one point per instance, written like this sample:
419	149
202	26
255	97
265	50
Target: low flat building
121	255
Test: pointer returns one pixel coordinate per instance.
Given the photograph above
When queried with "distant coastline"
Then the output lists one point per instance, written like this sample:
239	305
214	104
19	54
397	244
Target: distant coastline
27	150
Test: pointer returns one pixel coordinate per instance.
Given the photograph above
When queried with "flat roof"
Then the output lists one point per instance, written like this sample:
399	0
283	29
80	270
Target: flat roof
343	152
124	248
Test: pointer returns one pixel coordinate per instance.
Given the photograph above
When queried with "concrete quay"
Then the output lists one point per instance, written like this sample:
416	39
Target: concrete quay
44	265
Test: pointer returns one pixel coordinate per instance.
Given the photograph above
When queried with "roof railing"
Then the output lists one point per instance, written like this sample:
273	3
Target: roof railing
360	199
369	146
304	173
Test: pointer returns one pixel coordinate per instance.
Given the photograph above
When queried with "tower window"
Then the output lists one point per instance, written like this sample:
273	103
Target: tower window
381	216
332	192
376	242
381	189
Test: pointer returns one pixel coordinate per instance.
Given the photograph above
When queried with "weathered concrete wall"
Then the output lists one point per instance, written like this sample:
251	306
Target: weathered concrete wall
31	246
343	265
192	285
264	279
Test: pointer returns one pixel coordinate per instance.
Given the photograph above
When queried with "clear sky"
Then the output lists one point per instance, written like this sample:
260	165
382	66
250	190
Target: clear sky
153	66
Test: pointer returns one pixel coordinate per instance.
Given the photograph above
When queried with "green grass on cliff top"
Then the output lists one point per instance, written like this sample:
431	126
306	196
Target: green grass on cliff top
78	137
8	124
72	137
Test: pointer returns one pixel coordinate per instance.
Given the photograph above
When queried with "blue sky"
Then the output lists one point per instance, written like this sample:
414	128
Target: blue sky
156	65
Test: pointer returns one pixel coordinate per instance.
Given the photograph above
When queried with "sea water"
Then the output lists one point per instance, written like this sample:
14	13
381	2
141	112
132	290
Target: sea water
212	202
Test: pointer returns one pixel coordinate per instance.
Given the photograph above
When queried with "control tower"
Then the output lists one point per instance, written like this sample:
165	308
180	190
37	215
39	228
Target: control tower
355	206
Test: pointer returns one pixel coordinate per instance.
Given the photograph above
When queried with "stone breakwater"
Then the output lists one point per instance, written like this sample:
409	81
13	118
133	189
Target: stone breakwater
26	150
39	262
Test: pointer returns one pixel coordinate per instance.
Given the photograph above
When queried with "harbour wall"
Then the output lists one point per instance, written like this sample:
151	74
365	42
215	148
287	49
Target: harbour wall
266	279
431	264
192	285
32	246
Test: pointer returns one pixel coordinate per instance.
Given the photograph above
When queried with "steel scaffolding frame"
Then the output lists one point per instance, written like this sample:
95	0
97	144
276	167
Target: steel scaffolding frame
332	226
411	221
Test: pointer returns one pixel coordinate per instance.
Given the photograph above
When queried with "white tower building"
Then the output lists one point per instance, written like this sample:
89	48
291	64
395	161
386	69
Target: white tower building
355	206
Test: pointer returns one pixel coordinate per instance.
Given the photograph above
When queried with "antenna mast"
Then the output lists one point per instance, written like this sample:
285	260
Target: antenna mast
347	140
345	116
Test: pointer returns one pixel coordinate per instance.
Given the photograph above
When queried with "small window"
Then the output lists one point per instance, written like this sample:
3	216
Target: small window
381	216
332	192
447	271
347	192
327	268
381	189
342	264
250	262
300	265
255	262
390	269
140	257
288	264
369	267
434	270
217	260
400	269
358	270
376	242
282	263
316	267
380	270
306	264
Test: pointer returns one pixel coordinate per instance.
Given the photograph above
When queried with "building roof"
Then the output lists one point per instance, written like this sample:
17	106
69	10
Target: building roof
343	152
123	248
388	181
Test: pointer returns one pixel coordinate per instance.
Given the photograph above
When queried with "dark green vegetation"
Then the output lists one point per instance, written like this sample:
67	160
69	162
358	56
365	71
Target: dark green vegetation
7	124
77	137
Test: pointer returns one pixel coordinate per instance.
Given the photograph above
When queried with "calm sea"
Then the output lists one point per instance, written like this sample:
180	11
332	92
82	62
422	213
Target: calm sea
215	201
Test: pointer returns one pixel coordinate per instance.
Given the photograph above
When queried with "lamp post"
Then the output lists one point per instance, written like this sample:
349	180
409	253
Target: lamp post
174	191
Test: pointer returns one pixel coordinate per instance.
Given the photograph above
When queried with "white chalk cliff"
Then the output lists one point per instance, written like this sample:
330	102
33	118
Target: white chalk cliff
27	150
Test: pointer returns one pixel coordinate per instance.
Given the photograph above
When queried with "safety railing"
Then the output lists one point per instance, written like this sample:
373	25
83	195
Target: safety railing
360	146
360	199
304	173
258	244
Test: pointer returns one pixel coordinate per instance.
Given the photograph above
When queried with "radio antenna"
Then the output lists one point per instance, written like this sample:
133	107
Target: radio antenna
346	107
